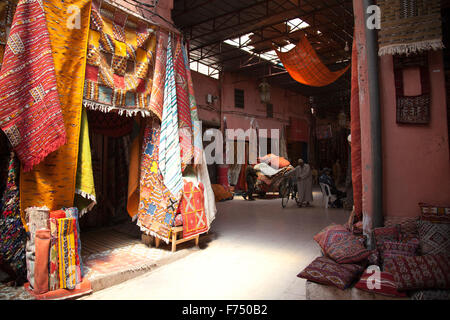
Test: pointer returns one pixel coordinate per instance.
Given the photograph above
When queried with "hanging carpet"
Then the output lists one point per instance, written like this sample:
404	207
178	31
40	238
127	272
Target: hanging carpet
52	183
409	26
120	61
305	66
157	207
159	75
30	109
7	9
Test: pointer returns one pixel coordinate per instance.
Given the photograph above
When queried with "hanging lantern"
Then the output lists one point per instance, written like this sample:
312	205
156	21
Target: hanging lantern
264	91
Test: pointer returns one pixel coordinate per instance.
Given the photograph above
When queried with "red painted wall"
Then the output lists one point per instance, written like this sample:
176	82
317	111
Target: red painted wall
416	163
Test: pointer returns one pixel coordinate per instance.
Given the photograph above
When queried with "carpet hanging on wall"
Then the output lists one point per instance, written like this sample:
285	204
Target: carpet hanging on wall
30	109
52	182
121	54
7	9
305	66
409	26
355	129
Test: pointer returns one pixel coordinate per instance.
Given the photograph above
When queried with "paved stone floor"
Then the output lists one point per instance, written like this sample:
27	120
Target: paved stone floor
254	251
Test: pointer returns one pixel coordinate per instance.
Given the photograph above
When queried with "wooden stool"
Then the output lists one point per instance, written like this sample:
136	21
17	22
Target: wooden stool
175	232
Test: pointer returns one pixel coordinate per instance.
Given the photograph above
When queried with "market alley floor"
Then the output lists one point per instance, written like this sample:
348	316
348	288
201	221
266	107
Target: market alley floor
254	251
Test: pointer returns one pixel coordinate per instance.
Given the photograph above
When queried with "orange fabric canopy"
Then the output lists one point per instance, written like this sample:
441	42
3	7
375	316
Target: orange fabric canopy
304	65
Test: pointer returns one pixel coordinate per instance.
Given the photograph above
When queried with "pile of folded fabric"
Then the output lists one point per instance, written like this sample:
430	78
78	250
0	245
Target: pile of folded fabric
269	179
410	259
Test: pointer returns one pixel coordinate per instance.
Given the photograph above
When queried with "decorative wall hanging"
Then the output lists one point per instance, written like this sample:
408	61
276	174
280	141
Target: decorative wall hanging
412	109
305	66
120	61
409	26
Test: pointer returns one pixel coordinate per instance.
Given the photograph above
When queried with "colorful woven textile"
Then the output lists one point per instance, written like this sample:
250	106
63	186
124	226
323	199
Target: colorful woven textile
52	183
192	208
157	207
159	75
183	104
73	213
305	66
347	250
392	249
42	245
67	253
384	284
85	198
195	121
7	9
53	280
203	177
134	171
435	213
12	233
326	271
420	272
30	110
109	124
386	234
409	26
169	148
120	60
434	238
408	225
330	234
355	130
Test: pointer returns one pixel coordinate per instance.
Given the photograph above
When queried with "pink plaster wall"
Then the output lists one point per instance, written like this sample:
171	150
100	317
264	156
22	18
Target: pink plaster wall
286	104
416	163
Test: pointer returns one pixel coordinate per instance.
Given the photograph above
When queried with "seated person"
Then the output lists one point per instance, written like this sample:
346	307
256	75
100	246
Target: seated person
326	178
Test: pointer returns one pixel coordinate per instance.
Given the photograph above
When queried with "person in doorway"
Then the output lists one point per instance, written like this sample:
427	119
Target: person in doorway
337	172
327	179
304	183
250	177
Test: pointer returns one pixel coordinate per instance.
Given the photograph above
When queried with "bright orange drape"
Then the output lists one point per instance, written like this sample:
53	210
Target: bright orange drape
305	66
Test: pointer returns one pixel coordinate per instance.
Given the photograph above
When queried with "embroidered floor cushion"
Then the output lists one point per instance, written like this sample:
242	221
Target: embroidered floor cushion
381	283
434	237
330	234
391	249
326	271
420	272
434	213
386	234
347	250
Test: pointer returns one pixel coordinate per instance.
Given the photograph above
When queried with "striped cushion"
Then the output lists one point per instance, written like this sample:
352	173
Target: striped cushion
379	282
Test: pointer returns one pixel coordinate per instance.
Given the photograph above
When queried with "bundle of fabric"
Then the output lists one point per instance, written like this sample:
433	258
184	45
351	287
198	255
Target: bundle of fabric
274	161
266	183
409	26
120	60
304	65
220	193
30	109
157	207
12	233
42	185
266	169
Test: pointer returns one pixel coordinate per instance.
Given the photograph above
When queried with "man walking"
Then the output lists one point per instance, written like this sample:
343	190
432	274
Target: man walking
304	182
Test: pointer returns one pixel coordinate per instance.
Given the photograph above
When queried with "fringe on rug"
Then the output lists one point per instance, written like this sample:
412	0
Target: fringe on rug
105	108
151	233
88	197
411	48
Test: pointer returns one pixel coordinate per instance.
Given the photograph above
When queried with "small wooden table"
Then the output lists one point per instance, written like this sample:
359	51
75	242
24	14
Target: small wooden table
174	240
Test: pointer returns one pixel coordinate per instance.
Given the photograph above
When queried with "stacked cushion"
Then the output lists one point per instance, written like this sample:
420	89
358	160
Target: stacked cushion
331	234
381	282
435	213
326	271
348	250
434	237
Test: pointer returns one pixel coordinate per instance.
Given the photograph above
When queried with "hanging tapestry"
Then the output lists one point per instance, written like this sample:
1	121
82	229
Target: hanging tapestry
12	234
355	130
169	149
157	207
53	280
85	198
67	253
120	61
73	213
195	121
134	168
7	9
305	66
192	208
30	110
203	177
52	183
183	104
409	26
159	75
412	109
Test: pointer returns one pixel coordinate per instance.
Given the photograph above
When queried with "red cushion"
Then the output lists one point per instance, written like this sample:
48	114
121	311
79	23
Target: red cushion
347	250
420	272
386	285
331	234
